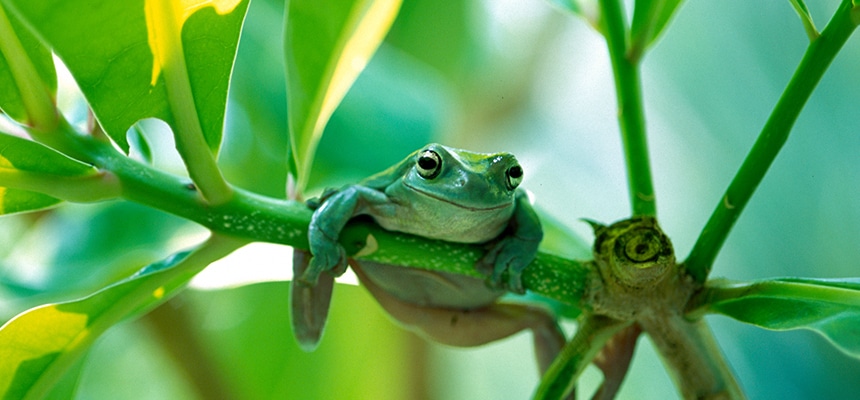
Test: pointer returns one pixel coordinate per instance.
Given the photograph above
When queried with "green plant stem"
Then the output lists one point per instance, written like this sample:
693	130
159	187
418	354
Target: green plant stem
261	218
37	98
773	136
593	332
190	139
631	115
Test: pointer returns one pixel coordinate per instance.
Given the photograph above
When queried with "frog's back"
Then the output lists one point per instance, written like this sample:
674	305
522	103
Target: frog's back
430	288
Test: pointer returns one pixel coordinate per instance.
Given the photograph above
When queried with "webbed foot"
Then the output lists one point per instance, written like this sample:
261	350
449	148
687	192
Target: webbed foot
505	261
327	257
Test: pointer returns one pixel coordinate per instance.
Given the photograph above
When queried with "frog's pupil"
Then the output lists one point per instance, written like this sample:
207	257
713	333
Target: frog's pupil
427	163
515	172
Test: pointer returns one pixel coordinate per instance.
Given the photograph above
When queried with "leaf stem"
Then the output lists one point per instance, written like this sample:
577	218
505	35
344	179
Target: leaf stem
190	139
593	332
42	115
631	115
773	136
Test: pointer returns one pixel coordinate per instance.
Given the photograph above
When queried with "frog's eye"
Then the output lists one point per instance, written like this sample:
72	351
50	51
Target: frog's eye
514	176
429	164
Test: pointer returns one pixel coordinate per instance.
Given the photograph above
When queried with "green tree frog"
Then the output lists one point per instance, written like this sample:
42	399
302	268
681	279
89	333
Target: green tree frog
441	193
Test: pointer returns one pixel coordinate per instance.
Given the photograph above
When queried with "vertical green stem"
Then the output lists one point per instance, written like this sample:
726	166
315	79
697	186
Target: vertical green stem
631	115
814	64
190	140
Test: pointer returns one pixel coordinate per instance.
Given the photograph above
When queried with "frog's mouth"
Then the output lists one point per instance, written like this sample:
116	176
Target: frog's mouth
465	207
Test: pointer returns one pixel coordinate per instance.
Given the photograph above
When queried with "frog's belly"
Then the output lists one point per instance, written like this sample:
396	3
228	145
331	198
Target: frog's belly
430	288
444	221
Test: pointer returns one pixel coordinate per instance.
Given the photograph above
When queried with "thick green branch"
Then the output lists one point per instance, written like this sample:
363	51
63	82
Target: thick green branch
814	64
631	115
260	218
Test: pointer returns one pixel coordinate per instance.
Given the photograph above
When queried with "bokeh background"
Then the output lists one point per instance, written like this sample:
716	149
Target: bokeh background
486	75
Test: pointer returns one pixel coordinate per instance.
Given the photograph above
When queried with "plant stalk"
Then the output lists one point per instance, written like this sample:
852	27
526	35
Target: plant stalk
820	53
631	114
190	139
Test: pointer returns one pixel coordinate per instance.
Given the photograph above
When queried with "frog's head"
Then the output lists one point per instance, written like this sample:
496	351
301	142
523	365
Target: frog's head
470	180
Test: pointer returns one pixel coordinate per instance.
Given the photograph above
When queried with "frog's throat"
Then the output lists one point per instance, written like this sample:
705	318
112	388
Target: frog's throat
465	207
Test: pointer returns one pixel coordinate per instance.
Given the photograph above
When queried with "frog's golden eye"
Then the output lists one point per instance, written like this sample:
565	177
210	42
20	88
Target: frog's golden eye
429	164
514	176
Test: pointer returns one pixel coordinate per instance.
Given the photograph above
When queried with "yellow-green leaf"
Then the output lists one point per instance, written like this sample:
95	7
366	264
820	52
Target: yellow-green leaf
21	159
39	345
16	201
118	52
327	44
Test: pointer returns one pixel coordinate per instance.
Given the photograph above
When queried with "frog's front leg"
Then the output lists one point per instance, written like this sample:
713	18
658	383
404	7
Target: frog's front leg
327	223
314	271
513	252
472	327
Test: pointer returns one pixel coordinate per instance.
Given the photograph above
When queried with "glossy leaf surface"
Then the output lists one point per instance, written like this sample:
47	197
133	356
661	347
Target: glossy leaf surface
326	45
21	159
38	346
118	60
828	307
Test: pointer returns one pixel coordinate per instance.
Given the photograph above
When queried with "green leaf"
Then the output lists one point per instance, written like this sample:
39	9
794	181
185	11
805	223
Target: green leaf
327	44
805	17
110	47
33	69
584	8
649	19
39	345
15	201
829	307
21	159
24	155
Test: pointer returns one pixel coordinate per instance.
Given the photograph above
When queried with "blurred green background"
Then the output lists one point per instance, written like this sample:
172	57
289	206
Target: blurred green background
504	75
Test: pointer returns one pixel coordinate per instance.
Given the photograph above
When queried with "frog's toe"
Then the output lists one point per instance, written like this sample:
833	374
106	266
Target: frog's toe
508	275
336	263
515	281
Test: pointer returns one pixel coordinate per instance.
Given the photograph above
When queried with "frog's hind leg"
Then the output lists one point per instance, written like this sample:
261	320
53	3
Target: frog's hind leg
474	327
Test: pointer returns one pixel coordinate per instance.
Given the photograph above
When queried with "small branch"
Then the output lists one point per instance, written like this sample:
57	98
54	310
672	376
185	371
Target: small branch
190	139
591	334
630	110
773	136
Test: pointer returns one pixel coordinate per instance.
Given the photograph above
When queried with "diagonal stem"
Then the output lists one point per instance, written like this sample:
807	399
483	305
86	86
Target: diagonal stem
814	64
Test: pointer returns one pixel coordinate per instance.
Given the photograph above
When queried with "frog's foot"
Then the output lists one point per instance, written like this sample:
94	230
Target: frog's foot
505	261
327	258
309	305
